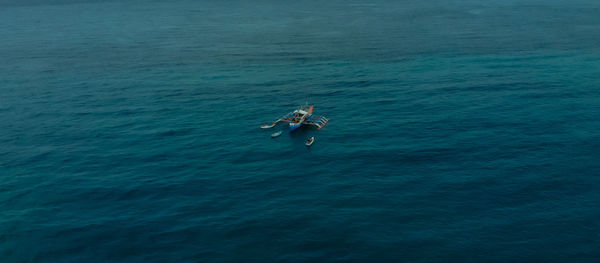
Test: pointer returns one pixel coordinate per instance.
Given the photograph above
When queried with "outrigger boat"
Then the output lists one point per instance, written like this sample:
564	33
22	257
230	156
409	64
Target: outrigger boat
299	117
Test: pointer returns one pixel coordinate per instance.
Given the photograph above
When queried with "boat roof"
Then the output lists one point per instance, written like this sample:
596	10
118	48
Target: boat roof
301	111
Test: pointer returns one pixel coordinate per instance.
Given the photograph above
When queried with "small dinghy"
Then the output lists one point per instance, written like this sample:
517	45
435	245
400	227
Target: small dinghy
267	126
276	134
310	141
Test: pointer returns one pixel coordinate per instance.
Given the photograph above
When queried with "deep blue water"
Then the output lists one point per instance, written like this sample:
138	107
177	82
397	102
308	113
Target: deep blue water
460	131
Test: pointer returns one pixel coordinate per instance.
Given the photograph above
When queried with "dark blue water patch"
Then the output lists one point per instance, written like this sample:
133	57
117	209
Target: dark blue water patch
175	132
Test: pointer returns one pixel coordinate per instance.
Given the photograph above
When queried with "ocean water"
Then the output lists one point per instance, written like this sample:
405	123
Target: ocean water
460	131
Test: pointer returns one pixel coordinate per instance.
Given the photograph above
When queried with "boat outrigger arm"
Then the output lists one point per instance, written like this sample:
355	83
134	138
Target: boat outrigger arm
299	117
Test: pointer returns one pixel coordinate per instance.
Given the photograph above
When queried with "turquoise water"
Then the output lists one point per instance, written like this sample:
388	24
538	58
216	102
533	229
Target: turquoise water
459	132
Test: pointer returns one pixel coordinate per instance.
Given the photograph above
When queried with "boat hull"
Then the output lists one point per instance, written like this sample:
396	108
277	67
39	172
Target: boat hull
294	126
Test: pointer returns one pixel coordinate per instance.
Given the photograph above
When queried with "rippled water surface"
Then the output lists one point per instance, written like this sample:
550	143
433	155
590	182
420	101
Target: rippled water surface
459	132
